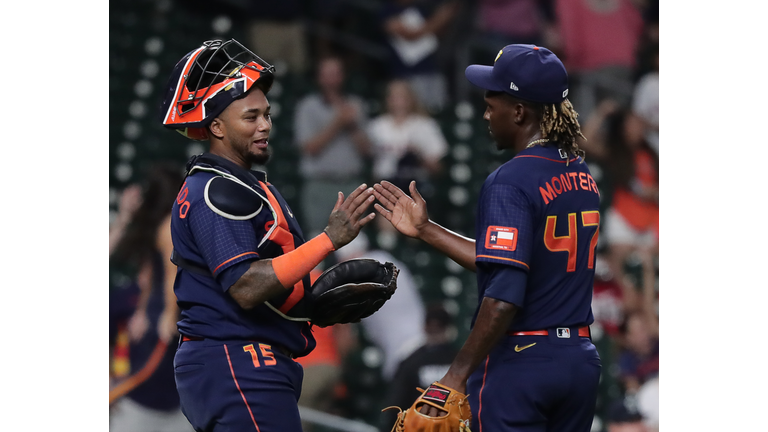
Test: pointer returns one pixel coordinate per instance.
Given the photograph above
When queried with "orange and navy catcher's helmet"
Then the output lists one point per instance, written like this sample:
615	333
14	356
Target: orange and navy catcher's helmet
206	80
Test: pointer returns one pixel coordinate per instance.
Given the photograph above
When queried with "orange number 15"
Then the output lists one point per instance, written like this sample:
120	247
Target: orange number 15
267	356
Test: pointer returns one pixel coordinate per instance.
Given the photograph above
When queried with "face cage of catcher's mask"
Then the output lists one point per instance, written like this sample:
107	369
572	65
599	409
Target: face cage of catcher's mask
234	72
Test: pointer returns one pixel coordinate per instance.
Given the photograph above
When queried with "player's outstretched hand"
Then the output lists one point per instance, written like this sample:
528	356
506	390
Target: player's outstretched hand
346	218
408	215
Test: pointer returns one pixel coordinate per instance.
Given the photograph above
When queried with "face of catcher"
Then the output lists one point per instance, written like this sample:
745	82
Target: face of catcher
244	127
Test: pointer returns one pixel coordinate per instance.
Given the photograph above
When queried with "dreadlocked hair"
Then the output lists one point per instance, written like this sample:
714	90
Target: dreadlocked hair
559	123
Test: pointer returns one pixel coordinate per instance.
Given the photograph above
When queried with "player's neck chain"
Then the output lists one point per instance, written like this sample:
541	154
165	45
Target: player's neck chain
538	141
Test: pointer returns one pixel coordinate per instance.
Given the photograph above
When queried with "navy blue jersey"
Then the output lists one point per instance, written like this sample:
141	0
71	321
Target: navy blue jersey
225	245
540	216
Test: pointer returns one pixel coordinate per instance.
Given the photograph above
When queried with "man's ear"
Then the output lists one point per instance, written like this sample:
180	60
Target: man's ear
217	128
519	113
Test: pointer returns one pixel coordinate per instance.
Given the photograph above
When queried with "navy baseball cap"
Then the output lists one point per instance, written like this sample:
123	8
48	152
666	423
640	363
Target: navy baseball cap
527	72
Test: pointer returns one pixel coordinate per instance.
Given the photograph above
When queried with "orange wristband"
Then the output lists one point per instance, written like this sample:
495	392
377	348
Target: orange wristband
293	266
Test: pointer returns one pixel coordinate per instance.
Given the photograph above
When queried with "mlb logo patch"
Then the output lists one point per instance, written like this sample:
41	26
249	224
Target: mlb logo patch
563	332
501	238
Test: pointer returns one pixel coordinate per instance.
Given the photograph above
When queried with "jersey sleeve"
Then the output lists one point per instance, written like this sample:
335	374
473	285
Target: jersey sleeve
222	242
504	226
505	283
232	274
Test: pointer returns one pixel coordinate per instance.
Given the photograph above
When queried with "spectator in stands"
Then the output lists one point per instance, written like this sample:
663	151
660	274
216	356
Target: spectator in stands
408	143
639	358
329	17
599	42
623	416
124	292
147	399
616	139
276	32
494	24
608	298
648	403
645	100
397	328
130	200
426	365
330	132
413	29
649	40
651	18
503	22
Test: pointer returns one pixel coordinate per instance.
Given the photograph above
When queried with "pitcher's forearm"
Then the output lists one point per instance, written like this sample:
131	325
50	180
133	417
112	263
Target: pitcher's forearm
493	319
457	247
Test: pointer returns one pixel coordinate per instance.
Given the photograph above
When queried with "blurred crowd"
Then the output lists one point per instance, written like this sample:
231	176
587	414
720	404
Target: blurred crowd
611	51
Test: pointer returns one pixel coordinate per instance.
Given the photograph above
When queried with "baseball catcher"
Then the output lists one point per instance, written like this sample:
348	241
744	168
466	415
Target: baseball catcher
243	286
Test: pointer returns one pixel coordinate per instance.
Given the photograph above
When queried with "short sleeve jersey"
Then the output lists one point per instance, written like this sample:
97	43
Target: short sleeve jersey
204	237
539	215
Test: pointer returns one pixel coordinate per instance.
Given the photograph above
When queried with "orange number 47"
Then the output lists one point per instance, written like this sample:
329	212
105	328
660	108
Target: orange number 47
568	243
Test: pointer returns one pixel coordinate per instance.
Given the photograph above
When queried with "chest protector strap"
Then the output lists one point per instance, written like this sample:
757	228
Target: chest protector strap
282	236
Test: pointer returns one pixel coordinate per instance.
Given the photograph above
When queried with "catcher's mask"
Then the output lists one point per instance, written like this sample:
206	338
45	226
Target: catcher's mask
205	81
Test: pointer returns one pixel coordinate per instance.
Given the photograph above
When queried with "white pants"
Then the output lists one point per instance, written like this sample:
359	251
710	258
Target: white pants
129	416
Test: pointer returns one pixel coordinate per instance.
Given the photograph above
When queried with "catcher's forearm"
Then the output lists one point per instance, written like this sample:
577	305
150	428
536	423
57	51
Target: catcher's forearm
267	278
257	285
457	247
492	322
291	267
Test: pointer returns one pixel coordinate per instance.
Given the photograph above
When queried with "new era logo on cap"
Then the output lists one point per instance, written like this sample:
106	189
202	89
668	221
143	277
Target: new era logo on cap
513	86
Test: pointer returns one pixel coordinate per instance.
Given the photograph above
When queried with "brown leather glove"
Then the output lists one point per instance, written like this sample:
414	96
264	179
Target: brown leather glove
456	418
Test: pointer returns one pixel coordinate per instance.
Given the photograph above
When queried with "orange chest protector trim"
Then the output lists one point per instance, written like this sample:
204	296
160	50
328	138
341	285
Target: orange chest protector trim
282	236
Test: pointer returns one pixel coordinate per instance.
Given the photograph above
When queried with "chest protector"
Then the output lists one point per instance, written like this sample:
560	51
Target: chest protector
253	195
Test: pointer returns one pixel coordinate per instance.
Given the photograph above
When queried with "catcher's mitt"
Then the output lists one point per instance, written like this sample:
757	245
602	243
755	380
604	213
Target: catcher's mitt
456	418
351	290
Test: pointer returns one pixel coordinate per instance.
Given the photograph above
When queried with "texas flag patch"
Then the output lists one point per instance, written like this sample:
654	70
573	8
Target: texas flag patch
501	238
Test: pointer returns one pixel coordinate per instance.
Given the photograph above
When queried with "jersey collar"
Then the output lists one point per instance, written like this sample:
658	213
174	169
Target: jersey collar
548	151
202	159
